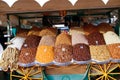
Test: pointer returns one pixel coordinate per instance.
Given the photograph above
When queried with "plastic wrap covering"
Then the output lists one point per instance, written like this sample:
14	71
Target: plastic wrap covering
9	59
78	38
48	31
89	28
47	40
104	27
63	53
81	52
27	57
32	41
17	42
114	50
100	54
111	37
63	39
45	55
96	38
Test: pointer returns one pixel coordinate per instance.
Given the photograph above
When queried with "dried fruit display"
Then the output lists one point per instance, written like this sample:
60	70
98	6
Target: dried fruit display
100	53
31	41
63	53
63	38
48	31
45	54
89	28
104	27
114	50
78	38
111	37
27	55
77	30
47	40
96	38
81	52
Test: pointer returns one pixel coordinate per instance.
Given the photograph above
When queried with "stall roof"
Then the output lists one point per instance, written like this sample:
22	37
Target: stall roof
83	12
55	5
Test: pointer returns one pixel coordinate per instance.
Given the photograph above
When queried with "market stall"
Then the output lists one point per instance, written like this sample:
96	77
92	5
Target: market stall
86	46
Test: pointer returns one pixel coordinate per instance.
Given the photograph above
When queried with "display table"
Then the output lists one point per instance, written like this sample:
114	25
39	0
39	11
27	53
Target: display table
52	72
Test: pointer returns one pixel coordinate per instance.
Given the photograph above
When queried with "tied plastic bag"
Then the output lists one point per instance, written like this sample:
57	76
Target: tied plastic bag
17	42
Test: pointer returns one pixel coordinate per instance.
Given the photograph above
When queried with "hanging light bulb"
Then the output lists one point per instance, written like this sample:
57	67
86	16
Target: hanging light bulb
105	1
41	2
73	2
10	2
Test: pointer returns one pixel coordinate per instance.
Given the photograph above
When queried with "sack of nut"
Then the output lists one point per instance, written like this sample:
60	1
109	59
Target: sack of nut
114	50
63	50
28	51
45	51
100	54
81	54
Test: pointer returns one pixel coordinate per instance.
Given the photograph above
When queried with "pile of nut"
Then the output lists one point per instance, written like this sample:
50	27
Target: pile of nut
81	52
63	39
114	50
96	38
27	55
63	53
100	53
